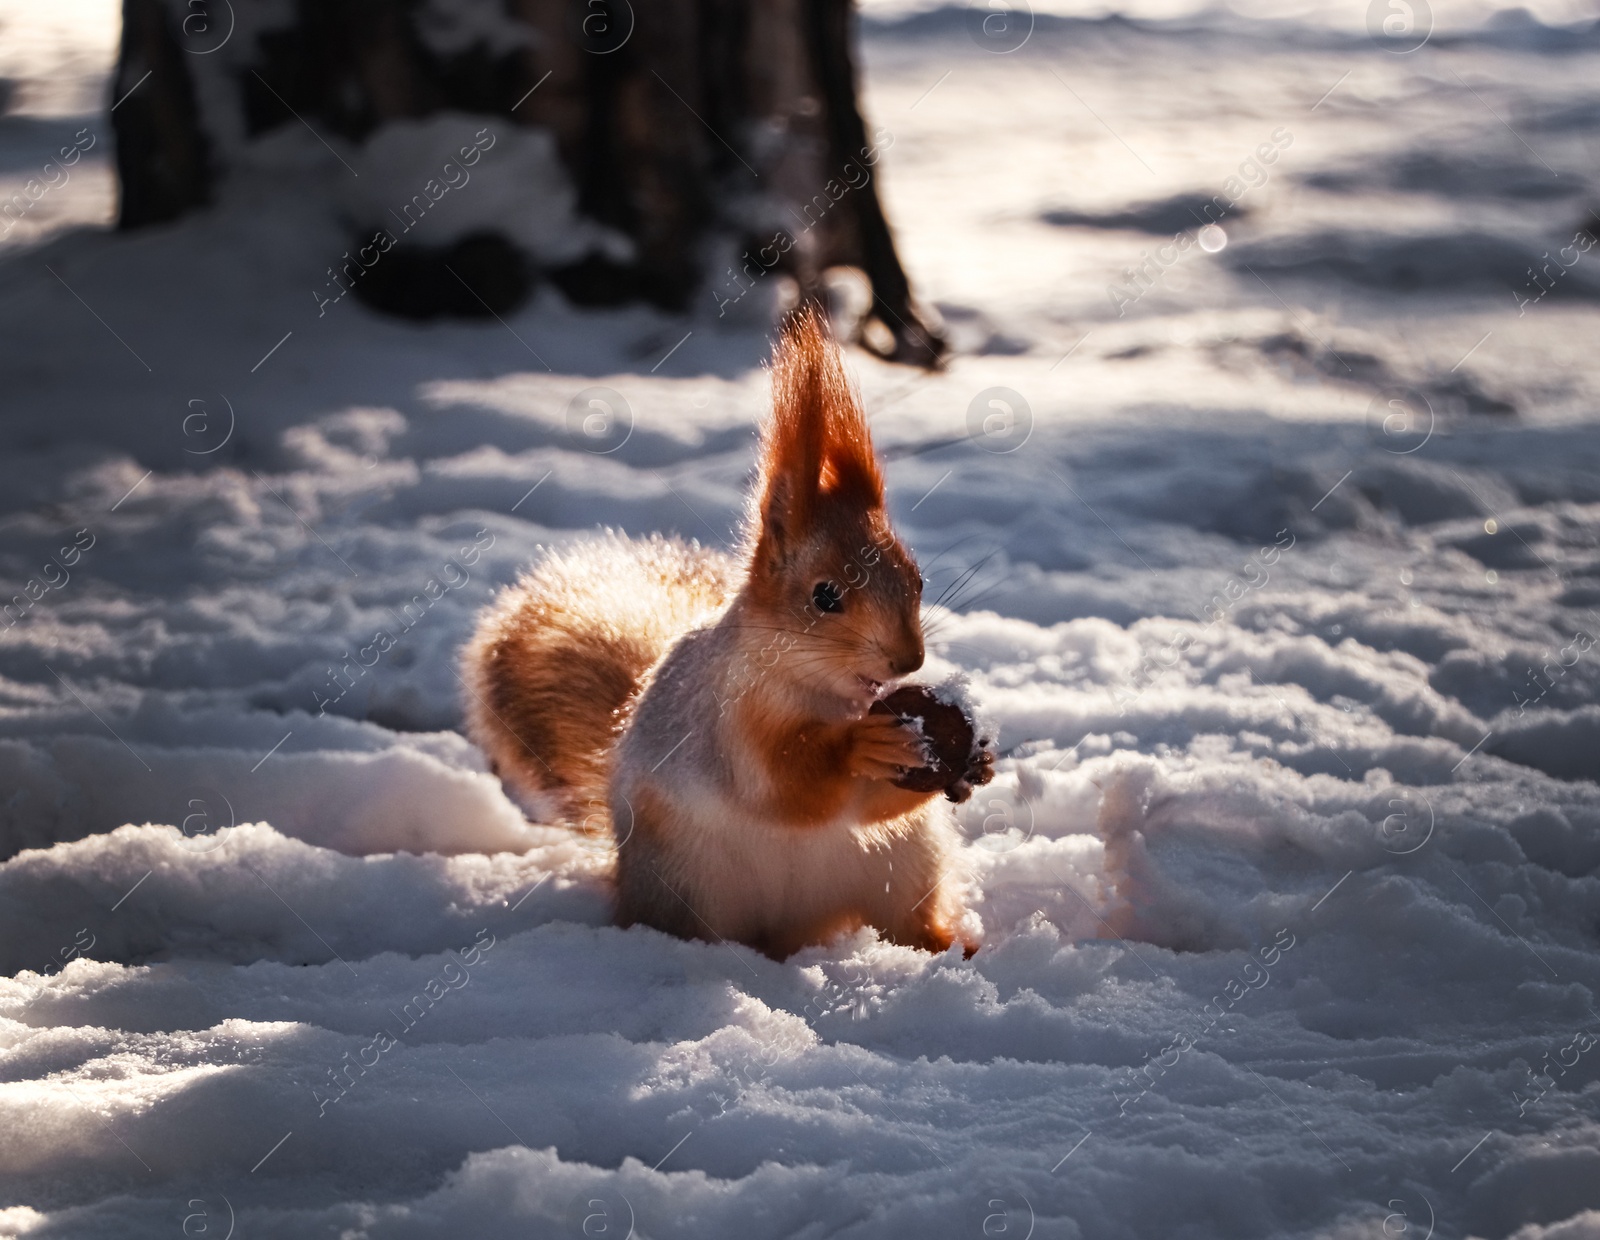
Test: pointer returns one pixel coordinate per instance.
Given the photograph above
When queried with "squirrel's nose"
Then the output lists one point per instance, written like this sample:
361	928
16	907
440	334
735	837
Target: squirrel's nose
905	664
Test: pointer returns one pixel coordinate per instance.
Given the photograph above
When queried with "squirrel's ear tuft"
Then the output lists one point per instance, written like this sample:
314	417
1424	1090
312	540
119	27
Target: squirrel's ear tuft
816	444
793	441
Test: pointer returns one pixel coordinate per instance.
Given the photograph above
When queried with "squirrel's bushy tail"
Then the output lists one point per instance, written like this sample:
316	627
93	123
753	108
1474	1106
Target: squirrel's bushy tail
556	660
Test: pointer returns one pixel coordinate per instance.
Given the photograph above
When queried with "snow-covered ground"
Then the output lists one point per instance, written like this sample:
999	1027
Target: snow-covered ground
1291	878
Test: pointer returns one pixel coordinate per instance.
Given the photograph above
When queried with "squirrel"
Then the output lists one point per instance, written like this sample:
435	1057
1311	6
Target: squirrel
713	713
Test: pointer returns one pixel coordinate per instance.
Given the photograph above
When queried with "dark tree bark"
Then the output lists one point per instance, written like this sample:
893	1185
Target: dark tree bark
162	160
677	121
871	245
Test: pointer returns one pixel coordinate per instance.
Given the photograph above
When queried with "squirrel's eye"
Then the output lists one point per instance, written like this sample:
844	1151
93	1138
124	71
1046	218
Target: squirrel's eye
827	597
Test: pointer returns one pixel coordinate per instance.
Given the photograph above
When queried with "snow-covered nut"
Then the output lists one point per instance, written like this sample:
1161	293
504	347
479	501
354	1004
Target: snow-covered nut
958	759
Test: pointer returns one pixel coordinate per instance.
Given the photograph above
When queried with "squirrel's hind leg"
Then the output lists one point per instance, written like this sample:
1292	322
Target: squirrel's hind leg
922	906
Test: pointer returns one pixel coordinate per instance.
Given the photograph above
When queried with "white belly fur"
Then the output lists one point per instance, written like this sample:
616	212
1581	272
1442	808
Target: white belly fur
749	878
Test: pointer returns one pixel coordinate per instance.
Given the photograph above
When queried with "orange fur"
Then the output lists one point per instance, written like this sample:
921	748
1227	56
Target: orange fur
557	657
750	793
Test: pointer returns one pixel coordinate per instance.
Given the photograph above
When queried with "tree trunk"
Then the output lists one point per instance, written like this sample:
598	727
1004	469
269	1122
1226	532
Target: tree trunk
162	159
692	128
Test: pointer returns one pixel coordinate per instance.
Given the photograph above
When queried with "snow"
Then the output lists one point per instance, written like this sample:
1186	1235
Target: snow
1290	872
406	169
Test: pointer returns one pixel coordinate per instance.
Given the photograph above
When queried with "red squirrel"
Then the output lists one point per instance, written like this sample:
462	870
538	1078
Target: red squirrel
717	711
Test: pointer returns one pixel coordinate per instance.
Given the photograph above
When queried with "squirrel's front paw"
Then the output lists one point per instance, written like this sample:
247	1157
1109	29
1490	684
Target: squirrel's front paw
980	770
881	747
